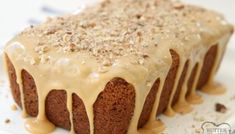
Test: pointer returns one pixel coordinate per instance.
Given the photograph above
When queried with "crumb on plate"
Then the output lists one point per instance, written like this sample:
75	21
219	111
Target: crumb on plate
221	108
7	121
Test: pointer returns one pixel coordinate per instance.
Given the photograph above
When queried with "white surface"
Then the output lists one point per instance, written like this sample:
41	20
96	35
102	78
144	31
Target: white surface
15	15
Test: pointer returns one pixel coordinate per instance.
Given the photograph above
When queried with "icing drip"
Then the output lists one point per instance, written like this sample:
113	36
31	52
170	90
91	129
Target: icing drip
139	56
182	106
169	111
70	109
38	126
153	127
193	97
214	88
19	81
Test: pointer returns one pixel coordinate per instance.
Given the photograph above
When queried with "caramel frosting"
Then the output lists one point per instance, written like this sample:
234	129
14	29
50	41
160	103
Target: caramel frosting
130	39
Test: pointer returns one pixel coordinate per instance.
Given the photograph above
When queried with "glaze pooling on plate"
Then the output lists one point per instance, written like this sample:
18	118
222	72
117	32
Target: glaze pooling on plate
122	38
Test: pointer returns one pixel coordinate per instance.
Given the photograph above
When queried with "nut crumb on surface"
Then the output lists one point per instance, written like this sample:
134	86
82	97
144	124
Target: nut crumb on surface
107	34
178	6
221	108
7	121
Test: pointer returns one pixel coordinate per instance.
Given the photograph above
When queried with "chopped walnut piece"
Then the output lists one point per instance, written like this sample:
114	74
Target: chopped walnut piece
69	32
50	31
7	121
141	61
220	108
72	47
138	16
178	6
41	49
145	56
139	33
141	24
105	3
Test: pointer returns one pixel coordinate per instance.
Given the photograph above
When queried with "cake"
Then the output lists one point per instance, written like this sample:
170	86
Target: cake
116	66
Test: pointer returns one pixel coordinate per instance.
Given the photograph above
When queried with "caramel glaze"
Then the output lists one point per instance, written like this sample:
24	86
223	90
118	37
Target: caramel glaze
185	33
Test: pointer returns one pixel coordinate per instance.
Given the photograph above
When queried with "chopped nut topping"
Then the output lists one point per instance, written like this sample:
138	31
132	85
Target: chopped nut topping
41	49
178	6
139	33
138	16
72	47
69	32
50	31
118	28
145	56
141	61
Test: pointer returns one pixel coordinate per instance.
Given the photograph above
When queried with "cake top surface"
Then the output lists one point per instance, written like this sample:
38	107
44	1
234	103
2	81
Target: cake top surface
117	28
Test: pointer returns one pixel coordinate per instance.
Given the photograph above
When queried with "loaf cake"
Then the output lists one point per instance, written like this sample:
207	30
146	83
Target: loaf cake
116	66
